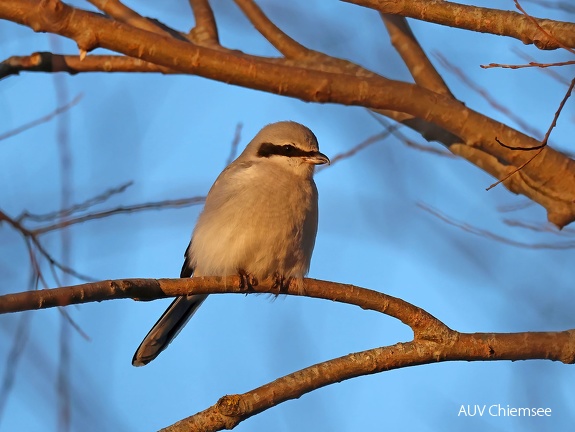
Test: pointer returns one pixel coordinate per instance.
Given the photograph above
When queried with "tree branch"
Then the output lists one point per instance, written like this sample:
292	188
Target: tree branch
286	45
405	43
433	341
205	31
73	64
486	95
43	119
230	410
120	12
492	236
550	180
479	19
32	238
175	203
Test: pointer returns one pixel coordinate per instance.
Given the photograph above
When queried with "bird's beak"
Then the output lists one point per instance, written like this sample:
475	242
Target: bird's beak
317	158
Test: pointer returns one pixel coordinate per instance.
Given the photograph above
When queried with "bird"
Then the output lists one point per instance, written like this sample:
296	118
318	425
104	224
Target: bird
259	220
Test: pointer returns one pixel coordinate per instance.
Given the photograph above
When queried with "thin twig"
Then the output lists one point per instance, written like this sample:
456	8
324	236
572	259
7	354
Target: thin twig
32	236
565	6
529	65
41	120
74	324
485	94
565	232
157	205
558	112
543	143
548	71
357	148
515	207
492	236
408	142
102	197
13	358
502	144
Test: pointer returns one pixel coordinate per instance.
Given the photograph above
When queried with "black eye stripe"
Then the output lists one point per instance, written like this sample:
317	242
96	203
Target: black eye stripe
268	149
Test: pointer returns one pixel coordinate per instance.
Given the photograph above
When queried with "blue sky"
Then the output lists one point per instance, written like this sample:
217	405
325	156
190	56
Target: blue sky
171	135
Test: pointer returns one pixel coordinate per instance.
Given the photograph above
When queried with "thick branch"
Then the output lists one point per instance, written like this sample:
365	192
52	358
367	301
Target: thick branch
484	20
231	410
549	180
152	289
433	341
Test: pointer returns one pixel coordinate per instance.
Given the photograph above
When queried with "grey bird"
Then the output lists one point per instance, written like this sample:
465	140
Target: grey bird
259	221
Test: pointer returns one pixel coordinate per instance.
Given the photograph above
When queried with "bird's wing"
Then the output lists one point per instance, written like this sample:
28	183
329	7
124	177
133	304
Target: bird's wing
187	269
170	323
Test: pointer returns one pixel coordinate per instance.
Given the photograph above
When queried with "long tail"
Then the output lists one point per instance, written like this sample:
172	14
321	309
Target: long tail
167	328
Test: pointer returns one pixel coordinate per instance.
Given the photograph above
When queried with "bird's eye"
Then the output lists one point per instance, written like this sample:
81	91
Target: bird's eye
288	148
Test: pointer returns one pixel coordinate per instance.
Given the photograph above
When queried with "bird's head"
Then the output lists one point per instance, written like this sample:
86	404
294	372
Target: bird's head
287	144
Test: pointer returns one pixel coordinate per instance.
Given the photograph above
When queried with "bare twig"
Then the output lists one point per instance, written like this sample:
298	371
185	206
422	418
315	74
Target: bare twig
408	142
565	232
76	207
548	71
485	94
157	205
515	207
41	120
66	197
19	341
32	236
566	6
502	144
543	143
359	147
529	65
492	236
74	324
558	112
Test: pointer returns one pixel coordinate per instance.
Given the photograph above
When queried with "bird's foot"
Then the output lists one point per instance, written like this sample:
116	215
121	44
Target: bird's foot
247	281
281	283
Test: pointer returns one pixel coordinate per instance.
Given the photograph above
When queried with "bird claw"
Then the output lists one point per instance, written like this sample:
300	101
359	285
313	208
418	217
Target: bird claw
247	281
281	283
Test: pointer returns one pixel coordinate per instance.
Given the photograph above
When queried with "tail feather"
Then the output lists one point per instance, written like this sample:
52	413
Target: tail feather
167	328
